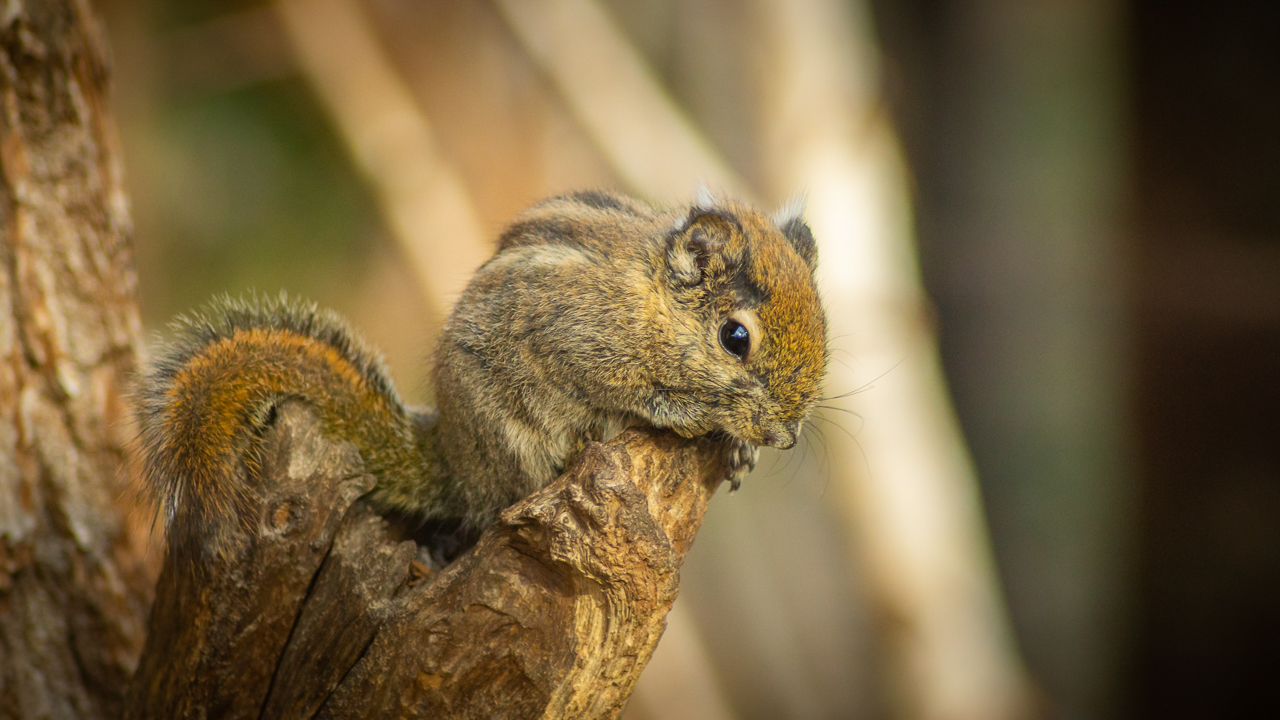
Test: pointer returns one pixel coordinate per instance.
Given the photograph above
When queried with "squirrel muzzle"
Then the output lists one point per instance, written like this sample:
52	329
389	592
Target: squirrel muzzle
783	438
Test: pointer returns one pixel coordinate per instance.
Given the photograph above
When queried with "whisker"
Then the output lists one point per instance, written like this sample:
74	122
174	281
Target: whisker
838	425
791	457
824	467
821	437
846	411
865	386
866	462
845	364
843	350
774	465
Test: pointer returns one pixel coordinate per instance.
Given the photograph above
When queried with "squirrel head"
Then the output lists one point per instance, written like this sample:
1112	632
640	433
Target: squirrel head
754	337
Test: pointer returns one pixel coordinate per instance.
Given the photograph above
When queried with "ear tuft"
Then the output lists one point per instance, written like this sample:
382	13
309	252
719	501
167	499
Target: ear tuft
704	202
790	221
705	199
793	209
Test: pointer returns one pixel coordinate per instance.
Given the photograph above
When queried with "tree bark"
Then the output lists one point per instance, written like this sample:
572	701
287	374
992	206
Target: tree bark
315	608
73	587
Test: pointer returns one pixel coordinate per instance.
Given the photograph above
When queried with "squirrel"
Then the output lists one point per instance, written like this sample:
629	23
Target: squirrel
597	312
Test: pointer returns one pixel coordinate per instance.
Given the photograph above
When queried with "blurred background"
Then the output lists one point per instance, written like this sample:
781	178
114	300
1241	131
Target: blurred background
1050	239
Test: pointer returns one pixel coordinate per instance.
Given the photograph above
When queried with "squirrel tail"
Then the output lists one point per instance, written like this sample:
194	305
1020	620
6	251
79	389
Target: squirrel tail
212	388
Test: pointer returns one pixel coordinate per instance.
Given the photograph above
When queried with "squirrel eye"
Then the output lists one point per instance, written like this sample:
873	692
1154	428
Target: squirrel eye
735	339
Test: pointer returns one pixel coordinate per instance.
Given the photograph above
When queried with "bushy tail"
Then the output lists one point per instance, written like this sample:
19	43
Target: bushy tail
212	386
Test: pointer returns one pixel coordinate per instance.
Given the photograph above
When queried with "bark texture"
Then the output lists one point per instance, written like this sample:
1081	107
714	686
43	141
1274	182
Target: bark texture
73	593
316	609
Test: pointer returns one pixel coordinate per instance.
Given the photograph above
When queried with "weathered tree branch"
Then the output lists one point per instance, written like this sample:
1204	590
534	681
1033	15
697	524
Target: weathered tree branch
313	611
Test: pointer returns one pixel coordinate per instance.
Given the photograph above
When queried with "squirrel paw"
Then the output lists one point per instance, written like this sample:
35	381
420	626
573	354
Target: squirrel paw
740	456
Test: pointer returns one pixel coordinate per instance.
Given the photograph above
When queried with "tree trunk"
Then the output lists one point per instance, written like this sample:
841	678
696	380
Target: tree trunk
73	590
314	609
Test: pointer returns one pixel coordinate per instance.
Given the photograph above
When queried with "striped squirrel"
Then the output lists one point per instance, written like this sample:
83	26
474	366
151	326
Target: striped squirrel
597	312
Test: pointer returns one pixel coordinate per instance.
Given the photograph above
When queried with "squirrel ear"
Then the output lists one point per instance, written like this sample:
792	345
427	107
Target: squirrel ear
790	220
698	246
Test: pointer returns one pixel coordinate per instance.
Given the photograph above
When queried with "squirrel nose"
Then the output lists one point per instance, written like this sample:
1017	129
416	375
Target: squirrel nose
781	439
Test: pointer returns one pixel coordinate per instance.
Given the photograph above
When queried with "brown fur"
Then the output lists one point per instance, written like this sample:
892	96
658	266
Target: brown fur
597	312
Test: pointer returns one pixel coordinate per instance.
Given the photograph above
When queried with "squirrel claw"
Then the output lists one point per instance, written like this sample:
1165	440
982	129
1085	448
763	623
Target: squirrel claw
740	456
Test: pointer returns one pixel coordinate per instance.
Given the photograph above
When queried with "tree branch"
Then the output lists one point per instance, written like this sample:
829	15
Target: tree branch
313	610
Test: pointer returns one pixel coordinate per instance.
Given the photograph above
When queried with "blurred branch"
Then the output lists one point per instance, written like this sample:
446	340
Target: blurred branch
915	513
652	145
679	683
423	198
